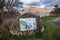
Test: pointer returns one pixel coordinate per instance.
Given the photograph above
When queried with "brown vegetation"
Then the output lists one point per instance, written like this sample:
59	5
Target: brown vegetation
38	10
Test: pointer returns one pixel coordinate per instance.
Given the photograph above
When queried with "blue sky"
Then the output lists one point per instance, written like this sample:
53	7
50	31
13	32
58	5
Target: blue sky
40	3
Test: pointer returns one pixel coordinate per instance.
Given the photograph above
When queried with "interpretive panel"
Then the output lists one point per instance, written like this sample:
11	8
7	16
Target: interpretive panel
27	24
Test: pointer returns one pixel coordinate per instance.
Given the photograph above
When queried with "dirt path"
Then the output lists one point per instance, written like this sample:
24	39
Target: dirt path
55	22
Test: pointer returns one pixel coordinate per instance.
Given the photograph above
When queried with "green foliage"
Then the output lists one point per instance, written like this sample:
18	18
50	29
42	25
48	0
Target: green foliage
51	32
4	35
0	21
22	22
15	37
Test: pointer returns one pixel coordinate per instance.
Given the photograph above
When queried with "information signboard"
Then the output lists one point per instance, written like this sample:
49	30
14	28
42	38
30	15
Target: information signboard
27	24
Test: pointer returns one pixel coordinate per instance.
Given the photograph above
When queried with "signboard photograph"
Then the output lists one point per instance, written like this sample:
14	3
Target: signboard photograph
27	24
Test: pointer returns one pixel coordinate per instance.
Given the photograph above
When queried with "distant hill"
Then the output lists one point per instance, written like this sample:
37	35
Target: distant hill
38	10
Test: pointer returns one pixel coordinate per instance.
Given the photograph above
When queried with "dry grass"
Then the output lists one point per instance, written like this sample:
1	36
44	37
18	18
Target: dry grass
38	10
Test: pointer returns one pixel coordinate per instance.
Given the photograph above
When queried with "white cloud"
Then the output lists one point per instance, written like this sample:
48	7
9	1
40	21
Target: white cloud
27	2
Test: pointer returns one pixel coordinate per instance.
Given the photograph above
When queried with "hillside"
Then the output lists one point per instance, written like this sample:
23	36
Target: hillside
38	10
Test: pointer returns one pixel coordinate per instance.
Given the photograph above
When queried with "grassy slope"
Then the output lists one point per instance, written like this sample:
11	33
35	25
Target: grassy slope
51	32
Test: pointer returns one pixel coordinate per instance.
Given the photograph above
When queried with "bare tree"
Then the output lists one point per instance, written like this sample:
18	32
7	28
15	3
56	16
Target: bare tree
1	10
56	10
